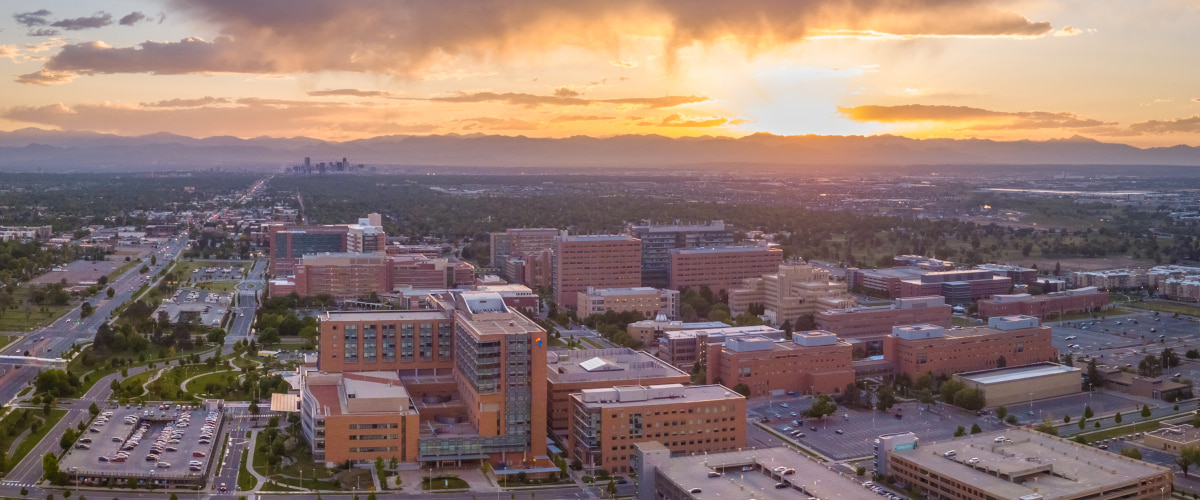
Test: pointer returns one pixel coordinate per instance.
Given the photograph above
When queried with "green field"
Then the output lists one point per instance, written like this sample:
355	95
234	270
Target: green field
217	286
22	318
34	437
444	483
246	481
1167	307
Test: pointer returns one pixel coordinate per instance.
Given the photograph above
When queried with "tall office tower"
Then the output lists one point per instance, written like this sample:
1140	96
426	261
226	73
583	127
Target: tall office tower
659	239
516	243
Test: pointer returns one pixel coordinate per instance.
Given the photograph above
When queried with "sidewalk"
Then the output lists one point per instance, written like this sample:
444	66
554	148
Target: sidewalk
262	481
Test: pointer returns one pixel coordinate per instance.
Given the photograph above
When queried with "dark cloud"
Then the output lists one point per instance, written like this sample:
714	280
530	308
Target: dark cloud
991	120
406	38
131	19
186	103
44	77
1178	125
563	97
566	92
99	20
678	120
31	19
43	32
348	93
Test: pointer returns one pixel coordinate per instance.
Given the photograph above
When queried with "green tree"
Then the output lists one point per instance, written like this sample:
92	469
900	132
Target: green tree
884	397
1047	427
93	409
1117	417
821	408
1188	457
1087	412
1131	452
1145	411
970	399
1067	418
975	429
1001	412
742	389
110	292
960	431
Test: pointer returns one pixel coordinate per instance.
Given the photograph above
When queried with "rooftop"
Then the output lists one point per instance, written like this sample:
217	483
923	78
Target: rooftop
997	375
1035	462
627	396
597	237
738	249
818	481
725	330
1179	434
382	315
641	290
592	365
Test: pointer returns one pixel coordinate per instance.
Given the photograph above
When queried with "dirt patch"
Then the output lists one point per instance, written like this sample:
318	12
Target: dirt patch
1088	264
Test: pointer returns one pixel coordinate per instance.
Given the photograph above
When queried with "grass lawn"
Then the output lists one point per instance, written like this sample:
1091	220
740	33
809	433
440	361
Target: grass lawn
34	437
230	387
273	486
7	339
444	483
1167	307
123	269
592	342
16	319
246	480
242	362
1116	311
1112	432
302	465
217	286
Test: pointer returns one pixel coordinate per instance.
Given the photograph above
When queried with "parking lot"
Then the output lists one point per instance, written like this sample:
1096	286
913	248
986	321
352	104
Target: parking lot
1102	403
209	306
217	273
1127	339
859	428
145	444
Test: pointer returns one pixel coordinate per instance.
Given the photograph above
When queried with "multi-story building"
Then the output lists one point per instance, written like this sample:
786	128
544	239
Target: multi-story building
1041	306
517	297
658	240
1018	274
358	416
343	275
794	290
419	271
685	348
721	268
646	300
569	372
473	371
870	324
607	423
649	331
27	232
367	235
814	362
1006	341
600	261
1181	289
352	341
515	243
958	287
922	262
1022	464
289	243
533	269
881	282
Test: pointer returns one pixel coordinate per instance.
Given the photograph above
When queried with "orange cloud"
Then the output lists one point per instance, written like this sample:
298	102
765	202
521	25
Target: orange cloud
46	77
1178	125
971	118
348	93
563	96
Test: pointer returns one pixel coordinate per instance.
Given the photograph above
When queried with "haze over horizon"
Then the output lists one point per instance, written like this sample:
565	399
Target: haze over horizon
341	71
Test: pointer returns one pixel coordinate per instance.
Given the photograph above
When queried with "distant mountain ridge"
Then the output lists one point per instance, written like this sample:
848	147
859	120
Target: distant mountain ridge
49	150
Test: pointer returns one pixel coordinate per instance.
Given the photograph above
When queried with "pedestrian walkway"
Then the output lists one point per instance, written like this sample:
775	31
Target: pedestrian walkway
262	481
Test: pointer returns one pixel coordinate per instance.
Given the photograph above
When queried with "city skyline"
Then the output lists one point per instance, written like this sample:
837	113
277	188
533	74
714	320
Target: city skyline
1007	71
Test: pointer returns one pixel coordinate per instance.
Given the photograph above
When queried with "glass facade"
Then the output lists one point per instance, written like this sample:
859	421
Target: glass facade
369	343
406	342
351	338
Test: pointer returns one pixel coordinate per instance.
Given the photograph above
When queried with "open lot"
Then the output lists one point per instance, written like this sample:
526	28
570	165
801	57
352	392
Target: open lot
1102	403
210	305
81	271
94	464
1127	339
861	427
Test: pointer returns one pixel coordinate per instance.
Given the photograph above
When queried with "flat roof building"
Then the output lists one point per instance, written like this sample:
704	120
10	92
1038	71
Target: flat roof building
516	243
572	371
358	416
658	240
1172	438
662	476
1040	306
646	300
721	268
1020	464
873	323
385	340
1005	386
648	331
812	362
599	261
684	348
607	423
920	349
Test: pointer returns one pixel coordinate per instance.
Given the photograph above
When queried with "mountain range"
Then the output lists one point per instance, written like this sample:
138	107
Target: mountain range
34	149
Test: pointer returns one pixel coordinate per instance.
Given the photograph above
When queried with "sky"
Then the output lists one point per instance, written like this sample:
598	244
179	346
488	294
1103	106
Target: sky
1120	71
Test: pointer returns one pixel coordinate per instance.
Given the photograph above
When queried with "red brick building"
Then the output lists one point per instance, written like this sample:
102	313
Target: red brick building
814	361
1078	300
721	268
919	349
600	261
874	323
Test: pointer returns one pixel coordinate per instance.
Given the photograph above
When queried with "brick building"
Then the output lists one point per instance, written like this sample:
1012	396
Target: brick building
569	372
920	349
721	268
607	423
873	323
812	362
958	287
646	300
791	291
1040	306
600	261
658	241
516	243
684	348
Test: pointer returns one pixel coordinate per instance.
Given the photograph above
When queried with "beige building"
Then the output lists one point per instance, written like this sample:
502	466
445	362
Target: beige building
1173	438
649	331
646	300
794	291
569	372
1005	386
1021	464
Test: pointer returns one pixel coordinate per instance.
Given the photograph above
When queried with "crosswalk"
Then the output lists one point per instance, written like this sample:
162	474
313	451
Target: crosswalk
16	483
